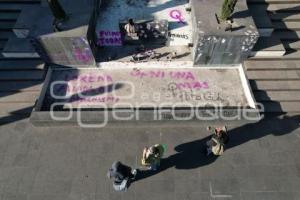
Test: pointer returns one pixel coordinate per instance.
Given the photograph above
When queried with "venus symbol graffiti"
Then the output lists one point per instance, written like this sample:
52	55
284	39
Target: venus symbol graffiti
176	14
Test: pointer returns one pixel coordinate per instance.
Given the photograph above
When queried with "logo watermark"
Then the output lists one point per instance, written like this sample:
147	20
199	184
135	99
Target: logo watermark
108	107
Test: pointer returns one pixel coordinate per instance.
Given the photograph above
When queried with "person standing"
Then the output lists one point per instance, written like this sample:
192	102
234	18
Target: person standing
131	29
152	156
216	144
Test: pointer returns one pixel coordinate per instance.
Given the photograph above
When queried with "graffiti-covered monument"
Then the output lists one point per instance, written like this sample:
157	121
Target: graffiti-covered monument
147	55
95	31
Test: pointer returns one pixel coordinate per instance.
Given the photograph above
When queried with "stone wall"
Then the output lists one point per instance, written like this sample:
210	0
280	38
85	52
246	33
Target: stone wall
213	43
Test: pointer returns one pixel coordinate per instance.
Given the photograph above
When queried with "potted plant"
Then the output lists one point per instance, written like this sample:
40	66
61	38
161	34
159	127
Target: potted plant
227	9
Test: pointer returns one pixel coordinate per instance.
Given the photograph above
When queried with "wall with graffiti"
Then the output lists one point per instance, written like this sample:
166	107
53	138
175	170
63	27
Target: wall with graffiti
157	22
67	50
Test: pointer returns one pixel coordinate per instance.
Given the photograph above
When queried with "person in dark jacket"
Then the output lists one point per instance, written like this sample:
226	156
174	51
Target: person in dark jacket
122	175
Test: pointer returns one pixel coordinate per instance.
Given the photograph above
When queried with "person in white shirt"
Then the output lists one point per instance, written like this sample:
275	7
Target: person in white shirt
131	29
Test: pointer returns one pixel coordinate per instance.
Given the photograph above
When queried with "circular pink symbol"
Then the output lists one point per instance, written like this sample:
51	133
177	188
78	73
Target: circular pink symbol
176	14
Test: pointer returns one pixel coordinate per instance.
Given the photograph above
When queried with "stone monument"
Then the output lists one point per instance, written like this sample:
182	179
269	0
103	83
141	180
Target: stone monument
74	41
216	42
143	73
61	32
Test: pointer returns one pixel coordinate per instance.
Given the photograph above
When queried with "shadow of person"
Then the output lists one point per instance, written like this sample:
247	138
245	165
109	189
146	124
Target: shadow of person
190	155
271	126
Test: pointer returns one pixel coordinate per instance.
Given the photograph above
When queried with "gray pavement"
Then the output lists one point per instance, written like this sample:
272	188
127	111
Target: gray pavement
262	161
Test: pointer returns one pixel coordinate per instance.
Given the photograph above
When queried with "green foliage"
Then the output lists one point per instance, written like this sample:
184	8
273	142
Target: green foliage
227	9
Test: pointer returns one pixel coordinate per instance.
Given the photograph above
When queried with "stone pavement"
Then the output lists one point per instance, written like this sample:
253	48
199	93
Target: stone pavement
70	163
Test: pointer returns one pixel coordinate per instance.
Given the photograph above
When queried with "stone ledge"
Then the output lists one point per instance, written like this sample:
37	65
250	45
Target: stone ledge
97	119
171	92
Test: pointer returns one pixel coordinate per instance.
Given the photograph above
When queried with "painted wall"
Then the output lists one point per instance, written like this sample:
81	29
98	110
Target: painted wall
67	50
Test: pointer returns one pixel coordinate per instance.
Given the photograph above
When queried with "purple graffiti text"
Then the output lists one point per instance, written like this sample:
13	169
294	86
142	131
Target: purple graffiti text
185	75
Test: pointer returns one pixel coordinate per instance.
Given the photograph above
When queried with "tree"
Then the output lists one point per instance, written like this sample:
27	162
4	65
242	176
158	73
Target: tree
57	11
227	9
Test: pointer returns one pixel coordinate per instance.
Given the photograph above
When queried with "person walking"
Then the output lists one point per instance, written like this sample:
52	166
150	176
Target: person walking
152	156
216	144
122	175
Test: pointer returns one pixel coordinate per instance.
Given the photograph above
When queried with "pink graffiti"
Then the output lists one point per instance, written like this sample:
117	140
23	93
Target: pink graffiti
74	89
109	38
83	55
192	85
176	14
98	99
109	33
185	75
88	78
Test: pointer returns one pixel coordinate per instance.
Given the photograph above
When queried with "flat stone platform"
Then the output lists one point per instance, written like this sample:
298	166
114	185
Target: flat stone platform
154	86
178	89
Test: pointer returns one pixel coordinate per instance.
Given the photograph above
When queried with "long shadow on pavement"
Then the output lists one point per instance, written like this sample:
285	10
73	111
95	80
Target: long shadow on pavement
190	155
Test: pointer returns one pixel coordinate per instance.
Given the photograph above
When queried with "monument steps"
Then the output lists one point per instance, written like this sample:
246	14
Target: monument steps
20	1
22	75
2	44
20	86
9	16
275	81
4	34
20	79
284	16
286	96
277	85
271	65
19	48
261	19
287	34
274	74
5	6
282	25
2	58
289	55
281	107
6	25
16	108
273	1
24	65
268	47
284	7
291	44
20	97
